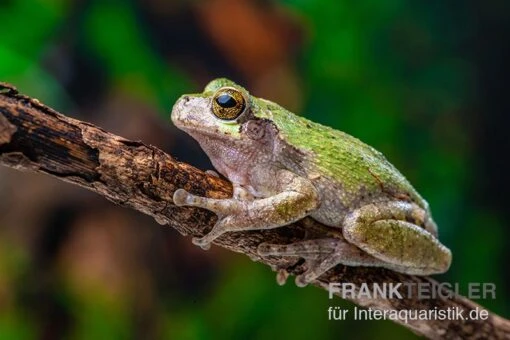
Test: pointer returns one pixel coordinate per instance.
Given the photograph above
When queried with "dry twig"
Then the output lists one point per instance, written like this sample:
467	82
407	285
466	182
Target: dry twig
34	137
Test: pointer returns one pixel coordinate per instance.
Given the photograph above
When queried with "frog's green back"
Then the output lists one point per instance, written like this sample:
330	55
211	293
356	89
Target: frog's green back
342	157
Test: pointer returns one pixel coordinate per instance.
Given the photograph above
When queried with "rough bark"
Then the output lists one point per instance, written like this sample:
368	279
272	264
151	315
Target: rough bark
36	138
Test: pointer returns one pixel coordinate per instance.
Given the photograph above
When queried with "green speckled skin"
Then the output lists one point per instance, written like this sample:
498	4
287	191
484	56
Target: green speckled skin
339	156
284	167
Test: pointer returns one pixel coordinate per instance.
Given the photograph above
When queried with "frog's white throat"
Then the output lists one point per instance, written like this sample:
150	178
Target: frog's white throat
233	159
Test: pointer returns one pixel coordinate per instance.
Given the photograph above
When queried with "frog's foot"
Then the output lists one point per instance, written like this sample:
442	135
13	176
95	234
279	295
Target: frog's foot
225	209
320	255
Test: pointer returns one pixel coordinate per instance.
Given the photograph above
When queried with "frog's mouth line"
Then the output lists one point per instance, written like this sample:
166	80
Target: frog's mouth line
215	133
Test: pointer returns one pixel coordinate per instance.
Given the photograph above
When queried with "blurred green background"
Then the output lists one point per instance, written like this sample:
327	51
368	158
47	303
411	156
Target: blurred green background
422	81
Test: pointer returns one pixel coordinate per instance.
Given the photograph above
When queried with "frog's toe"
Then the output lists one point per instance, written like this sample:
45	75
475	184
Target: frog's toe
202	242
212	173
281	277
221	227
181	197
303	280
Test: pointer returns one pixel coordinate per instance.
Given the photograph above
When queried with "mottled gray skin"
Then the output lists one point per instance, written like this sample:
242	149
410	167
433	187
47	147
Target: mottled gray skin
285	167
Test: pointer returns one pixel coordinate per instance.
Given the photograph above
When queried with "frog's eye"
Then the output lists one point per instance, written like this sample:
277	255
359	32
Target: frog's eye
228	103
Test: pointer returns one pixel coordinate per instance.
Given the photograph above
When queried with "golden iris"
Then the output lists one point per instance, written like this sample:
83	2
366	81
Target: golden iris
228	103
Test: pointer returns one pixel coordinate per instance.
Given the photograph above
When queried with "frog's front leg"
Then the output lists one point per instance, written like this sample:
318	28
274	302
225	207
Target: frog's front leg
294	198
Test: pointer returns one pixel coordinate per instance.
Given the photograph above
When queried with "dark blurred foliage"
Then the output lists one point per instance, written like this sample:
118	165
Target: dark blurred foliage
422	81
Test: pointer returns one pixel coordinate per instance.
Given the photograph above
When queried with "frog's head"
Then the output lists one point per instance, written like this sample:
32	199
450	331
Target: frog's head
230	125
218	111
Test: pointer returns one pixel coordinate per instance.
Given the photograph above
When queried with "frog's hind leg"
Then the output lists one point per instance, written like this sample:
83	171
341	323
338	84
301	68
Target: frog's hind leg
320	256
399	234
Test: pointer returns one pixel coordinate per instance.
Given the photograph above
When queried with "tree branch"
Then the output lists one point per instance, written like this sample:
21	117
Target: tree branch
34	137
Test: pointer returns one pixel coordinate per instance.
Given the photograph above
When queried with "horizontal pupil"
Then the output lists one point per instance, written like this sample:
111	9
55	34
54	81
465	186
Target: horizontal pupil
226	101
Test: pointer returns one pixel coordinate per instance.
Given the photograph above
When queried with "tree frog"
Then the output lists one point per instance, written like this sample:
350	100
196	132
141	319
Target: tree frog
284	167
